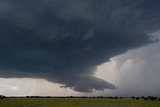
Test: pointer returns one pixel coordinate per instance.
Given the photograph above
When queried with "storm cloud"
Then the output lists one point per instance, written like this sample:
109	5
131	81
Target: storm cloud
63	41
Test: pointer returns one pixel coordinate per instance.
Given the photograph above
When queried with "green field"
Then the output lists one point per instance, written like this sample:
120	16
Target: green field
76	102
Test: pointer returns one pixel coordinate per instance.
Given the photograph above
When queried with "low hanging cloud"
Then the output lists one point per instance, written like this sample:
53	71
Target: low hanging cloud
63	41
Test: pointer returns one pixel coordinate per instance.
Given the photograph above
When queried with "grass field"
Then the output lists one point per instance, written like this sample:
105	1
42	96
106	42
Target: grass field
76	102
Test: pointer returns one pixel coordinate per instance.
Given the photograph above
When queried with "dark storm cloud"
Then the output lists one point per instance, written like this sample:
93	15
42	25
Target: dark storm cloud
63	41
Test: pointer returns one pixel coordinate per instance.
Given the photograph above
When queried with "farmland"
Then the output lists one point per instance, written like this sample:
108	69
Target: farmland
77	102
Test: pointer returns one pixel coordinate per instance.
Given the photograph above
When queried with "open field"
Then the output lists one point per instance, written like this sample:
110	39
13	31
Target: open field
76	102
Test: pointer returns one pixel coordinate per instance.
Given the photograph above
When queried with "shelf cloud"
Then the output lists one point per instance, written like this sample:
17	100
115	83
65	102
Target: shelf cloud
63	41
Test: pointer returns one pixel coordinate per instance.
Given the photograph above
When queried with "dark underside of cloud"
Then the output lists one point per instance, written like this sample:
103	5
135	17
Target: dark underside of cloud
64	40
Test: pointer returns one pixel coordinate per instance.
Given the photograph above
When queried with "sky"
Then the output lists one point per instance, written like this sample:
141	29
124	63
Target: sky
79	47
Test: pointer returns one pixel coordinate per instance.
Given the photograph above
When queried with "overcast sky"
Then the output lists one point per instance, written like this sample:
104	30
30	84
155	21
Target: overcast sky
79	47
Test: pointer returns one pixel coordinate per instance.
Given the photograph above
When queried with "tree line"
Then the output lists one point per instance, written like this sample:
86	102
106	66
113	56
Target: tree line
152	98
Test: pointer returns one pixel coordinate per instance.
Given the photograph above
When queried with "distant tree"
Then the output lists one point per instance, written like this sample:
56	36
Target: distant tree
27	97
133	97
137	98
121	98
152	98
145	98
142	97
149	97
115	97
111	97
155	98
71	96
31	96
37	96
84	97
100	97
2	97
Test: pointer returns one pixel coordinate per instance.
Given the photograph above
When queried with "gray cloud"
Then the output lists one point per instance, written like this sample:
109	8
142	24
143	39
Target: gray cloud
136	73
63	41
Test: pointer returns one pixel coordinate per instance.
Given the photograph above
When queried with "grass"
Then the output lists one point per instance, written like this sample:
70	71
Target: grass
76	102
